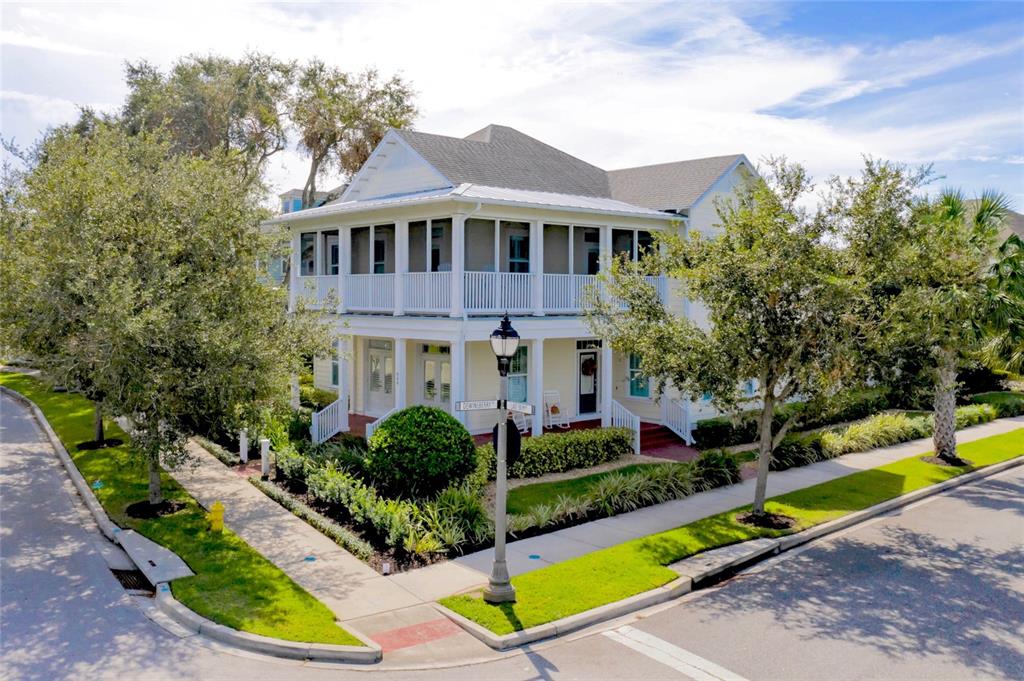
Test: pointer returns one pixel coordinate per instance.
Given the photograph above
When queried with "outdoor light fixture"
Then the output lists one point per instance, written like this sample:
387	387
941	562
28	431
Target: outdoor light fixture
504	343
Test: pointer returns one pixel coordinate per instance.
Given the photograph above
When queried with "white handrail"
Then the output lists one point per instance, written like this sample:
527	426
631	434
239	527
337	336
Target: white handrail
372	426
328	422
624	418
677	419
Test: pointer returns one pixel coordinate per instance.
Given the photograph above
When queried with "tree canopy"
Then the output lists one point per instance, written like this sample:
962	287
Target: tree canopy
778	299
132	277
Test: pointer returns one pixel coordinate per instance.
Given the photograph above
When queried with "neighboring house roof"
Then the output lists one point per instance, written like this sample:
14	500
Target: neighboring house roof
467	192
499	156
1014	223
670	186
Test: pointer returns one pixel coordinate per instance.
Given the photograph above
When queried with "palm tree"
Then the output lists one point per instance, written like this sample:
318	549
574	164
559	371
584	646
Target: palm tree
966	298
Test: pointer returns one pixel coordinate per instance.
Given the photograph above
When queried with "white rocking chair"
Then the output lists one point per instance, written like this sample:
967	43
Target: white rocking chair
522	424
554	415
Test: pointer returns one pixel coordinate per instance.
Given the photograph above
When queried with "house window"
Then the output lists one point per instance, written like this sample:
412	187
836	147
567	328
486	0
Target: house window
334	372
706	397
518	253
436	236
307	254
517	384
592	344
748	388
380	250
639	385
296	205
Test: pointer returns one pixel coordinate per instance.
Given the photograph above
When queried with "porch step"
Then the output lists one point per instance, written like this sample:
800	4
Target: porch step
654	436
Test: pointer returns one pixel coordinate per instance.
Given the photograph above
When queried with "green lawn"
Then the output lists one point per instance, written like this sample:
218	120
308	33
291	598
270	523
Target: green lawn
522	499
233	585
635	566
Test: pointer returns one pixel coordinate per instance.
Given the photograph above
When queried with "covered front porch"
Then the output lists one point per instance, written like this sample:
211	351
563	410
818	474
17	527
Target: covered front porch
572	383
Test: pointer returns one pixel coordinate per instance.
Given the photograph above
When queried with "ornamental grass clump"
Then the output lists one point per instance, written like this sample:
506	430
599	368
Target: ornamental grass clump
882	430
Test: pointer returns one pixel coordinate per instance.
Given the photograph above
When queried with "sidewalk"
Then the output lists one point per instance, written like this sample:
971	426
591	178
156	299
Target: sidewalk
394	610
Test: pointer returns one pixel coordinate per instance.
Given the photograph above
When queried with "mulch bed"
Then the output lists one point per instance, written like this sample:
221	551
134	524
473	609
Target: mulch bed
771	521
144	510
958	463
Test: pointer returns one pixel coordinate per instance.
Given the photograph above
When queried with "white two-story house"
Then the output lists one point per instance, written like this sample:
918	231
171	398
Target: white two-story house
437	237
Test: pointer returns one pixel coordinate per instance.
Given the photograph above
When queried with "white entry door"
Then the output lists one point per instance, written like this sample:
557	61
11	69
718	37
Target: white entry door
435	362
380	377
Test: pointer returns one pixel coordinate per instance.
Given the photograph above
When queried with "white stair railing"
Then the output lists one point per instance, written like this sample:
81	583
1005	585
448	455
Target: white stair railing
677	419
624	418
329	421
372	426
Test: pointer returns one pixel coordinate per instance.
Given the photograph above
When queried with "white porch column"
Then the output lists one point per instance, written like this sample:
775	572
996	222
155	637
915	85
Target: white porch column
343	383
344	265
537	381
606	246
458	355
318	255
606	384
370	250
293	273
400	387
537	266
401	263
458	267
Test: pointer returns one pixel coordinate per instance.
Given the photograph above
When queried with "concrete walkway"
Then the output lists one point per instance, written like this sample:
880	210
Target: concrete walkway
394	610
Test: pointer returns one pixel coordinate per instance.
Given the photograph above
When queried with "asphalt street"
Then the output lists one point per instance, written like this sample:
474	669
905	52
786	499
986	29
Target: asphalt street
933	592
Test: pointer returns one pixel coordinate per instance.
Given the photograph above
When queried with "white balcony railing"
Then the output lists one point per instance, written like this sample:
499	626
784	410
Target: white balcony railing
497	292
370	292
428	292
565	293
316	290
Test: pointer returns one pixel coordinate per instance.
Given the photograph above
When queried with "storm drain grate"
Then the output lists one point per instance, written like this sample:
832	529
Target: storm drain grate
133	580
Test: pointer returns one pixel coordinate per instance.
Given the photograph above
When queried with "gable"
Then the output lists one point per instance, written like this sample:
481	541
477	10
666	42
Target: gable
394	168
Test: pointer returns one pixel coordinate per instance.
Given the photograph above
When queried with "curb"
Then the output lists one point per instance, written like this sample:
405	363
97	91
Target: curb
322	652
702	578
296	650
106	525
674	589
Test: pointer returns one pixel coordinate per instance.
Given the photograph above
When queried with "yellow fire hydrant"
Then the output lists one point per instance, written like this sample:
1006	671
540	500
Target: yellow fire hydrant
216	517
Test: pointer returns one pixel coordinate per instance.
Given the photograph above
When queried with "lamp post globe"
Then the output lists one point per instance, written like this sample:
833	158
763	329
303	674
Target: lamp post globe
504	343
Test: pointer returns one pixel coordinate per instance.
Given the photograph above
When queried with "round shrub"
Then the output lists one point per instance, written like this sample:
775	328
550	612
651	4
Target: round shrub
418	452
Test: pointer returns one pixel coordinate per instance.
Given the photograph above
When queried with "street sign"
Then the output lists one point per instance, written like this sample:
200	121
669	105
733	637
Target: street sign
476	405
521	407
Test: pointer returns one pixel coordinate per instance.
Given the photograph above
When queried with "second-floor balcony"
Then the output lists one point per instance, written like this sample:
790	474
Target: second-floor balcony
408	268
430	293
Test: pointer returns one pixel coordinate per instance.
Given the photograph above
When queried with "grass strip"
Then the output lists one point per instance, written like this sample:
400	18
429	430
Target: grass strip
234	585
624	570
522	499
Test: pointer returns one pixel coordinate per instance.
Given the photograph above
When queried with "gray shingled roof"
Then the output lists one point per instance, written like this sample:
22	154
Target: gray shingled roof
668	186
499	156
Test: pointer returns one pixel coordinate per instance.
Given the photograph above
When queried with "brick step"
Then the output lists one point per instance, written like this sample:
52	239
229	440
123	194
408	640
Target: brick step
653	435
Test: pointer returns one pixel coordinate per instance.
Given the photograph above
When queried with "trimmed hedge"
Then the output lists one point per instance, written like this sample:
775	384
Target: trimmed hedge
798	450
227	458
721	431
1005	403
559	452
715	468
419	451
316	398
338	534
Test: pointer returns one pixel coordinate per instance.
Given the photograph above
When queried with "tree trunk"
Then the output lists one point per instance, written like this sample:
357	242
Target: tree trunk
156	495
764	455
97	423
944	433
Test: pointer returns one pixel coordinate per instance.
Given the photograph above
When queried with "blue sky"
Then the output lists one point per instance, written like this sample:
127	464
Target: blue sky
616	84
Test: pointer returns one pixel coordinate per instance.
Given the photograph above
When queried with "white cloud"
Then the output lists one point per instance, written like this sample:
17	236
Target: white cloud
615	84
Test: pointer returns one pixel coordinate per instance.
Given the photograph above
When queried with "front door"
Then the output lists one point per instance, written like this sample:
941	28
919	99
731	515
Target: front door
437	381
380	377
588	376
